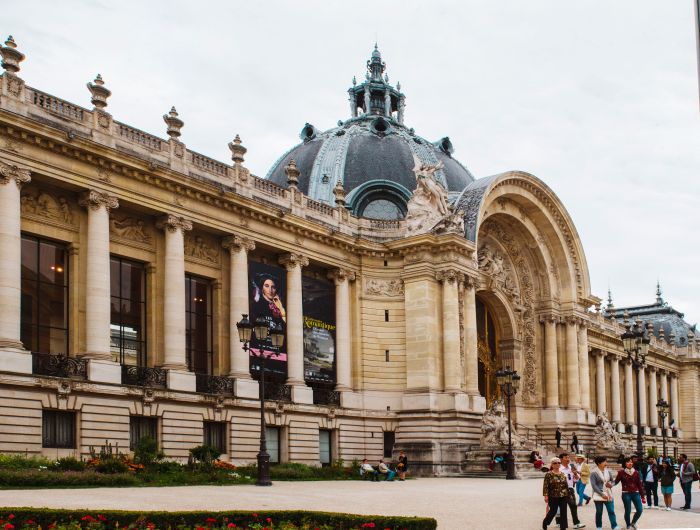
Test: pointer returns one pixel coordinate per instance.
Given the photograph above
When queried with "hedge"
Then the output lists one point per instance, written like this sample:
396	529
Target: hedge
45	518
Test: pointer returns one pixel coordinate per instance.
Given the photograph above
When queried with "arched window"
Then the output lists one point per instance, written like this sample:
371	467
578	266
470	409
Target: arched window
383	208
379	199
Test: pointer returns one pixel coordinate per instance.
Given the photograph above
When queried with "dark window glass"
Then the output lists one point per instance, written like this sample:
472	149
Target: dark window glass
44	313
200	355
389	440
272	437
215	435
128	314
324	447
141	426
58	429
382	209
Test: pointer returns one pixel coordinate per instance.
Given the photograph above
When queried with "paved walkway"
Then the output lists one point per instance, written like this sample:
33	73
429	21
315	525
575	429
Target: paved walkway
457	503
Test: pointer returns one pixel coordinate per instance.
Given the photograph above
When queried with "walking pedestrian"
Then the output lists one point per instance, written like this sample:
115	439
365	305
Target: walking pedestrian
571	478
632	491
686	473
556	493
584	474
402	466
557	436
601	484
574	443
650	475
667	476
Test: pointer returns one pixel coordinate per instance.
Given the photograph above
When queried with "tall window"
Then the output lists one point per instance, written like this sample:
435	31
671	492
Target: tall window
324	447
141	426
200	357
58	429
389	441
272	436
215	435
44	296
128	320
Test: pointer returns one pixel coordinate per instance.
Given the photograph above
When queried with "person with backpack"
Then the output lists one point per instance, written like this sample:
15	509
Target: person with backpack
687	474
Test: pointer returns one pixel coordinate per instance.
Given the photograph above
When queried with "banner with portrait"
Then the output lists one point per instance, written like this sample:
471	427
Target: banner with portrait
268	291
319	330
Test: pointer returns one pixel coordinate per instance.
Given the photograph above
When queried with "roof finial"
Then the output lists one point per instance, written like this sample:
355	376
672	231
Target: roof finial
11	56
659	300
99	92
610	302
237	150
292	172
174	123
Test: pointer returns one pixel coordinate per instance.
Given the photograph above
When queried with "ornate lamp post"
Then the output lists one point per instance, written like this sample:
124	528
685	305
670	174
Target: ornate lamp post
262	329
635	342
662	407
509	382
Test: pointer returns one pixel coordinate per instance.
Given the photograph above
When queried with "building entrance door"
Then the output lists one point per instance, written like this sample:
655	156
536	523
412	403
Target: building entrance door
489	357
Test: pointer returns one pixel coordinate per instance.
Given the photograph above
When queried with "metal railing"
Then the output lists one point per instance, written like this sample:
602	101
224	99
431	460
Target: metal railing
214	384
59	365
144	376
326	396
278	392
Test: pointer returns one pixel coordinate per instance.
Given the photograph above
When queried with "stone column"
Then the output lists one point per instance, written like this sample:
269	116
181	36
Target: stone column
664	385
174	307
343	339
238	302
600	382
295	320
14	357
97	279
675	414
572	368
653	398
583	369
551	363
450	330
471	357
642	397
387	103
629	394
616	416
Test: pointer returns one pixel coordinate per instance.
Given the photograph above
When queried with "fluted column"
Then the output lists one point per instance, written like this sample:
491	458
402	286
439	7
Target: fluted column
653	398
471	357
629	393
616	416
450	330
11	180
643	397
97	279
664	385
295	320
675	414
238	247
600	382
343	343
174	307
551	363
584	375
572	365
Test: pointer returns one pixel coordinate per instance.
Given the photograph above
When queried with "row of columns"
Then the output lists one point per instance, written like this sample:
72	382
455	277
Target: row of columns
97	293
658	389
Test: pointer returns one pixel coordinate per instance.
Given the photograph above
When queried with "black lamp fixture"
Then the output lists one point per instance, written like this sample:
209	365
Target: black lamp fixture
262	329
509	382
662	406
635	341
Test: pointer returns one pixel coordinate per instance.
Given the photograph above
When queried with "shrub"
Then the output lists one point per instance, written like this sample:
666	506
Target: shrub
68	463
185	520
204	454
146	451
23	462
167	467
111	466
34	478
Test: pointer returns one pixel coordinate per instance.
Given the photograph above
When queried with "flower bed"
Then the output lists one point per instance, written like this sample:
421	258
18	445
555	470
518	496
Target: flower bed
46	519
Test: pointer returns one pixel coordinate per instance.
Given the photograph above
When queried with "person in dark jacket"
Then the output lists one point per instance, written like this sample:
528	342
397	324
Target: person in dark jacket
686	473
574	443
632	492
557	436
402	466
667	476
556	494
650	476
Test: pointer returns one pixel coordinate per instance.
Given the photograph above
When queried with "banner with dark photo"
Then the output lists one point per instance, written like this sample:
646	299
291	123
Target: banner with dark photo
268	291
319	330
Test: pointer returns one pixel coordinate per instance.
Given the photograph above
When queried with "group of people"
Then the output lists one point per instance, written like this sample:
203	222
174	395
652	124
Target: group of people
382	469
574	445
638	479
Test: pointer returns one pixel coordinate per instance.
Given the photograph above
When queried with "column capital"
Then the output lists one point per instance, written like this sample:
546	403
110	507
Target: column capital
10	172
551	318
341	275
583	323
172	223
236	244
449	276
94	200
293	260
570	320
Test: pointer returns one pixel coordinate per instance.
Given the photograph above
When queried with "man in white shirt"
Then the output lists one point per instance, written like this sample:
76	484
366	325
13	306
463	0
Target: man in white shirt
367	469
571	478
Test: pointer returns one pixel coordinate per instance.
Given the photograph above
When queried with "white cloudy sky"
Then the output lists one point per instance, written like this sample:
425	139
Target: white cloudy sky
598	98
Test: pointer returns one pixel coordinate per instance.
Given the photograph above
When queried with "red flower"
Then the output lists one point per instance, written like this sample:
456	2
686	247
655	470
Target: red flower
150	525
9	526
88	518
200	528
269	520
231	525
101	517
29	521
52	525
255	515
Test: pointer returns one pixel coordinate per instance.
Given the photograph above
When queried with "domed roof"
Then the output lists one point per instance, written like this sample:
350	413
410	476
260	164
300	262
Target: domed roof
372	154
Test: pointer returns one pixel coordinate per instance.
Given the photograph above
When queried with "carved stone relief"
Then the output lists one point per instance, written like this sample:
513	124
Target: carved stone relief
41	203
200	247
131	228
377	287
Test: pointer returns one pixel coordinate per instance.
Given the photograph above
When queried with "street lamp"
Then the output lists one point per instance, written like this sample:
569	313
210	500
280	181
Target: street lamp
635	342
509	382
262	330
662	406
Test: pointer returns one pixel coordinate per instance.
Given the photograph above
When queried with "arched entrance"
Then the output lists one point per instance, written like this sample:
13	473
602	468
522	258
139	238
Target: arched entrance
488	351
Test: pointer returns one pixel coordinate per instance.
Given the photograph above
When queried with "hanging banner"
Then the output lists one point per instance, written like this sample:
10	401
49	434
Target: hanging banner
319	330
268	291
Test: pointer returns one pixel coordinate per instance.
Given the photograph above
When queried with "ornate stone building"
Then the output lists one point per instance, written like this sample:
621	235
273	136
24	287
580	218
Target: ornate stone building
402	283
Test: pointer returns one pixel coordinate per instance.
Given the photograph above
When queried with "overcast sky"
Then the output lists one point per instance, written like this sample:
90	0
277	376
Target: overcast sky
598	98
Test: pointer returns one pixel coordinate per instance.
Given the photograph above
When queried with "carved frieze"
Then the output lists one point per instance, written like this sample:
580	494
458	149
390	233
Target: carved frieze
201	248
383	287
37	202
130	228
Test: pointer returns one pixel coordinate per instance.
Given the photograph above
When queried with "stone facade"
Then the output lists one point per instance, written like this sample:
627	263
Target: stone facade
411	355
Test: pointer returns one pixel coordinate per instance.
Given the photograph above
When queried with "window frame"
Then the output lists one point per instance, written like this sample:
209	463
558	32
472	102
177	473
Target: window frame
190	314
268	439
52	416
385	437
329	432
140	421
142	356
222	443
